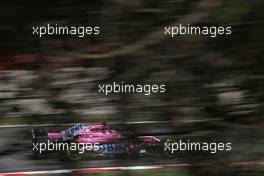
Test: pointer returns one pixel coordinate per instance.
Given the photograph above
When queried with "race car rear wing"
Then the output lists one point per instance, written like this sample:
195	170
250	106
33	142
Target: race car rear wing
37	133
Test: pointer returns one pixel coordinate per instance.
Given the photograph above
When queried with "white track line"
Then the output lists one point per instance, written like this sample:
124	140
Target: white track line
139	122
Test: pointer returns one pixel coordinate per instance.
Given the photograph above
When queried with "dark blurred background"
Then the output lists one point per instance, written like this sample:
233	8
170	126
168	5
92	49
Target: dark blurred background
216	80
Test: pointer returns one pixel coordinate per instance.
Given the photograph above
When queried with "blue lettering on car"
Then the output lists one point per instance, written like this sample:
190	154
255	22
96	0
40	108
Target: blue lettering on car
113	147
76	128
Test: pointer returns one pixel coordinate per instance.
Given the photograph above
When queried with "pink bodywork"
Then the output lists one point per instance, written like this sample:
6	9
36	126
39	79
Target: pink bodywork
99	133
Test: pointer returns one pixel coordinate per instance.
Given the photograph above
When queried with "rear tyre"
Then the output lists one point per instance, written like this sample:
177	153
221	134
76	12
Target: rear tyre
39	136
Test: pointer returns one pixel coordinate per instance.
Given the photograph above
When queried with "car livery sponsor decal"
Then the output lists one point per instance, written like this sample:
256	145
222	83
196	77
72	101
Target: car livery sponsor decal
71	132
112	148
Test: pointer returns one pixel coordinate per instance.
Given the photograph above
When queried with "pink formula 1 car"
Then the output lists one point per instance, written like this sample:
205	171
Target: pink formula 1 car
96	139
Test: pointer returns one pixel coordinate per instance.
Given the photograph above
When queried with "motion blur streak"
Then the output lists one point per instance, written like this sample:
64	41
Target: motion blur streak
214	85
106	169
